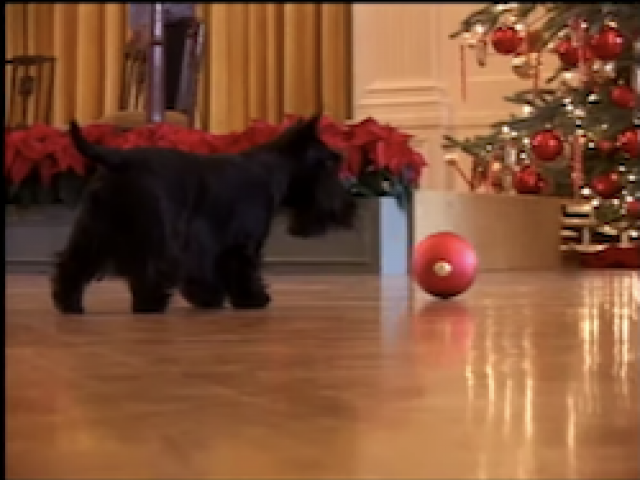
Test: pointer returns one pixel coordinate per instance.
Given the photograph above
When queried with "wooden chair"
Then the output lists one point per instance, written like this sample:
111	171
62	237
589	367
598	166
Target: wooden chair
30	96
132	102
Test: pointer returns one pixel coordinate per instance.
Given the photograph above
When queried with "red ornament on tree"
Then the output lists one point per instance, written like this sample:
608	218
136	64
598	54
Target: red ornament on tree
627	141
546	145
506	40
606	146
444	264
606	186
608	43
623	96
633	208
528	180
569	53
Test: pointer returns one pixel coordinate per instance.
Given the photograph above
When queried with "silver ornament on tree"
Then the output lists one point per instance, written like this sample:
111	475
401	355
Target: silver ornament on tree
524	65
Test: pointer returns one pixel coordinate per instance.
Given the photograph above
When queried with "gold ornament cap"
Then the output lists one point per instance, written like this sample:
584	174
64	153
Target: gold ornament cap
442	268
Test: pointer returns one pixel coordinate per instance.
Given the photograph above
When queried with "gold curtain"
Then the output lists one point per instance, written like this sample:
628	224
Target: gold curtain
261	60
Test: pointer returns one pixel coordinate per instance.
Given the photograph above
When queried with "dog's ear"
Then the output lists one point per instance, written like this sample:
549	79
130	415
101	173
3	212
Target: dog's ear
300	135
307	130
313	121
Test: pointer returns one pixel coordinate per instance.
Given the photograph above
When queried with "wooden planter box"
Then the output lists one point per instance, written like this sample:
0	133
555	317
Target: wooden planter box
509	232
380	243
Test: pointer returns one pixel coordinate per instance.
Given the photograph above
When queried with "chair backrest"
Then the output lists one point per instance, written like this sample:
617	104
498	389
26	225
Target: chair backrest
191	63
134	71
30	79
134	75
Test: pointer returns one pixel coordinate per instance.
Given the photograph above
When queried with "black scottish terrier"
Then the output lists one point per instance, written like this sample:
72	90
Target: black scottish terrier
164	219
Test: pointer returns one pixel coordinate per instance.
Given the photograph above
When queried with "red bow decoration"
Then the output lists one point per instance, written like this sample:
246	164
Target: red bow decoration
613	257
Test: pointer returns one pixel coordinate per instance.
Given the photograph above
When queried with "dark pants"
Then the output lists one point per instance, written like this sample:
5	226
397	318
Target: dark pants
175	35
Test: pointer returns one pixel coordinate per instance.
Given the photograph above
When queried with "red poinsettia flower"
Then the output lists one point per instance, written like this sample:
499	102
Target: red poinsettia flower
99	132
364	145
259	132
29	149
366	131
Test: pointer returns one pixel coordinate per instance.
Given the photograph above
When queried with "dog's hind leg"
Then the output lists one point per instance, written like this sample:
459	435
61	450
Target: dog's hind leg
200	285
83	258
150	277
204	293
199	282
148	294
240	269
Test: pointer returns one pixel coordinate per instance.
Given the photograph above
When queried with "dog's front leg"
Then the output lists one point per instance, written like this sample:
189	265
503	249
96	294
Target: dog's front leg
240	270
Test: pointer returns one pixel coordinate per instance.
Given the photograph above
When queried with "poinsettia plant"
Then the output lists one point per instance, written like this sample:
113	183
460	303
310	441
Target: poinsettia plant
41	166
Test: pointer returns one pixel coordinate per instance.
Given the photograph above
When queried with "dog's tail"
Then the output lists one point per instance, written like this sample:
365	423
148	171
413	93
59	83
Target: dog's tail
107	157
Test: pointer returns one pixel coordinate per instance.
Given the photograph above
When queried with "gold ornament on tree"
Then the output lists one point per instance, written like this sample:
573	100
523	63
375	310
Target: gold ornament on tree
526	63
525	66
603	71
570	80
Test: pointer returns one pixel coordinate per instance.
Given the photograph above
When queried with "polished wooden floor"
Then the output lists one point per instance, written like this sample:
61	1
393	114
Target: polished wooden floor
525	376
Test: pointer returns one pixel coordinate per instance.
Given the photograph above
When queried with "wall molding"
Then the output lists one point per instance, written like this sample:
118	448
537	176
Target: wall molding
402	93
410	86
416	105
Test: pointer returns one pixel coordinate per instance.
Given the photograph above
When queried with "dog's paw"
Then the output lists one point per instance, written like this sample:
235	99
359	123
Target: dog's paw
206	304
70	309
67	305
147	308
254	301
150	304
202	297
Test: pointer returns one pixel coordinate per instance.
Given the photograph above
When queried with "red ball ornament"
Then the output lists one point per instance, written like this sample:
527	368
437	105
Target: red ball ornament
444	264
633	208
506	40
627	141
623	96
606	186
546	145
606	146
608	43
569	54
528	180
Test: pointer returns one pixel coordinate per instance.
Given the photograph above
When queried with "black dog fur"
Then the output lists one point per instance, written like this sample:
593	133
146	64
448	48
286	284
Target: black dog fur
163	219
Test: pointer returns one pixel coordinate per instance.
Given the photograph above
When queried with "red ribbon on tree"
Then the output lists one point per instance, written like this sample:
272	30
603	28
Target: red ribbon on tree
463	72
481	50
453	163
577	162
579	37
536	72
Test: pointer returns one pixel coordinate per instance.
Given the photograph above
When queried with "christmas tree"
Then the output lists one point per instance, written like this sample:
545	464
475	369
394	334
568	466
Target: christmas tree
577	135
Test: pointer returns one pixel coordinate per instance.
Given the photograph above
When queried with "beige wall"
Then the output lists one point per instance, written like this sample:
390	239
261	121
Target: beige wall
406	71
